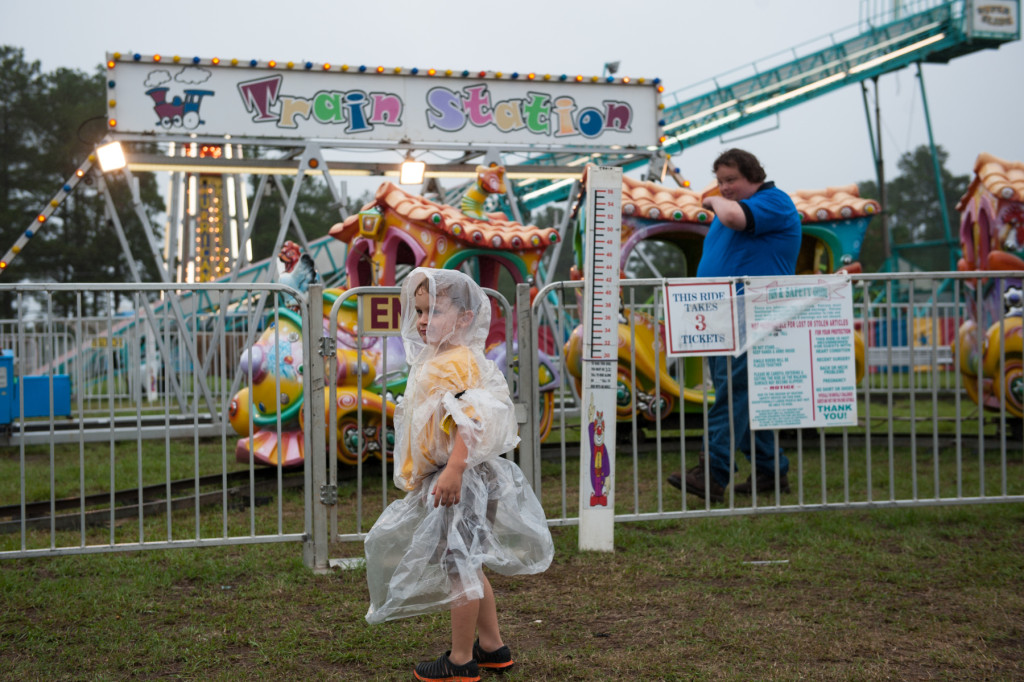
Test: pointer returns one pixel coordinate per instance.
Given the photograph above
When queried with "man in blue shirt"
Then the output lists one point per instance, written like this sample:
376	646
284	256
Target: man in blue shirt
756	231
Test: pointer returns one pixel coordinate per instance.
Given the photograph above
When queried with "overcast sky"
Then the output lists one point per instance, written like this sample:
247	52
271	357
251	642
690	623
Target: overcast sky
975	101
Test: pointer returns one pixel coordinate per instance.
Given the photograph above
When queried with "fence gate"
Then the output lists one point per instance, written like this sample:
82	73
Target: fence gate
127	419
939	404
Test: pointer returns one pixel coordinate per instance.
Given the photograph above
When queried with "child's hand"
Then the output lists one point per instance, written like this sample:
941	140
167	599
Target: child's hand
448	489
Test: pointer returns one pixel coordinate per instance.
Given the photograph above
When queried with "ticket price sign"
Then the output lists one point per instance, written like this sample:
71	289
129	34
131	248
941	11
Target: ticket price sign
603	224
801	365
701	317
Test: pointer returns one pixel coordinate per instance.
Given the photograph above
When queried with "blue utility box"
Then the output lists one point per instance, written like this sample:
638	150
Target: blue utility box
37	396
6	386
36	393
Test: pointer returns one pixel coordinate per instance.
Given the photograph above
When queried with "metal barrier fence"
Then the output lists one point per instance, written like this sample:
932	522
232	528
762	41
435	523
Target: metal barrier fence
922	438
112	360
127	473
115	429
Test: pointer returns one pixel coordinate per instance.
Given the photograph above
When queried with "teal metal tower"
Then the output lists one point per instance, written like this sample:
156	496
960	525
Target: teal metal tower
906	33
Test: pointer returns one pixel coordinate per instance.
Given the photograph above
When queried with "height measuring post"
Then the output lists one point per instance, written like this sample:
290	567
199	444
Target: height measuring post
603	220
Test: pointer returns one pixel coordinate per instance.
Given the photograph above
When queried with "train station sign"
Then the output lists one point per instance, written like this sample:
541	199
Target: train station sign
155	94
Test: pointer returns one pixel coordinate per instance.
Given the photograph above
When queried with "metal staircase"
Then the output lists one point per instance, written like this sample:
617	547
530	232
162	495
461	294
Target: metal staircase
930	31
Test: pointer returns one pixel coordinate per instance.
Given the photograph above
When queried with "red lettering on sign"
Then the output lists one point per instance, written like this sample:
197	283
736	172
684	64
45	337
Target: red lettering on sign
384	313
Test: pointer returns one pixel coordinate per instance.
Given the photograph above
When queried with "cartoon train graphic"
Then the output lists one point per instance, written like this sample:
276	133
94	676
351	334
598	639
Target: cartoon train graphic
178	113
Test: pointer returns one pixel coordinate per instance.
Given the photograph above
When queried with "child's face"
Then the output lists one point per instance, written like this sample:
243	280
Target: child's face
434	325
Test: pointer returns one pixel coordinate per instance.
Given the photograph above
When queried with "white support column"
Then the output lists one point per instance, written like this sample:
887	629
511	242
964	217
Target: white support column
603	216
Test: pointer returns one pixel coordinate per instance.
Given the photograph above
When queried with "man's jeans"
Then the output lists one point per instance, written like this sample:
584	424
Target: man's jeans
718	423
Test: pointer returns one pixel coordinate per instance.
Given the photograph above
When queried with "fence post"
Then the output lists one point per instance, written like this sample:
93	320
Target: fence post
528	399
318	494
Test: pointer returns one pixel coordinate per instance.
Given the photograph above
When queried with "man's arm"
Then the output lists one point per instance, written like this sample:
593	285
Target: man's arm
729	212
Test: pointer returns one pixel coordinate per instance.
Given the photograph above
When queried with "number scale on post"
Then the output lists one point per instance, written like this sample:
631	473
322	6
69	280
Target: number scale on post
603	221
601	267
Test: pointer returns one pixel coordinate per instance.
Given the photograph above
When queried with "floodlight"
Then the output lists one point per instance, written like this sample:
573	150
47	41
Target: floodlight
111	157
898	53
411	171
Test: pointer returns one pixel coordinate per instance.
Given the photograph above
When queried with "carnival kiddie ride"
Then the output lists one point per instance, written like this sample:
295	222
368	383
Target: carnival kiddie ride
392	234
992	239
834	223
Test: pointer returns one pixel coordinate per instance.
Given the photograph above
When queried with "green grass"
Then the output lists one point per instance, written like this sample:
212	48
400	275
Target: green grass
854	474
864	594
880	595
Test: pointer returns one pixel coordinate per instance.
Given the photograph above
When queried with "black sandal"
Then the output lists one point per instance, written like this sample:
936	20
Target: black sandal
498	660
443	670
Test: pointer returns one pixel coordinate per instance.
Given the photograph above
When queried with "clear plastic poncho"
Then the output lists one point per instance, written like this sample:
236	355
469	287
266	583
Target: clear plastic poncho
421	558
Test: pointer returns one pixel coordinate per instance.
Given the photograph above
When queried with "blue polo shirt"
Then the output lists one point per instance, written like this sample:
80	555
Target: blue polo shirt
769	245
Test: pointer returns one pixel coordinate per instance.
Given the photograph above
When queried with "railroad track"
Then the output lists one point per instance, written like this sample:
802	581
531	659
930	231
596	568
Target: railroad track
239	488
248	488
104	422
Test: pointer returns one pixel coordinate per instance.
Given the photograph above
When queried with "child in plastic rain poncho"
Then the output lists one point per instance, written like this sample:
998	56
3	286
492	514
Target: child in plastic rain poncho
466	507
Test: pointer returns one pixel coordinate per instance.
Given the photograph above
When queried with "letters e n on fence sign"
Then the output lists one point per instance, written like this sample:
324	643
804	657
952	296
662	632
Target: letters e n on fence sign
380	314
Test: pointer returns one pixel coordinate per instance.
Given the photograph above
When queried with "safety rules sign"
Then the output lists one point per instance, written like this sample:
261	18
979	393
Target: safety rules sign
800	368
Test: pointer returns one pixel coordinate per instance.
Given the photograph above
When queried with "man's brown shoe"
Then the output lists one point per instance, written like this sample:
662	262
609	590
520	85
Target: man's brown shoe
765	484
676	479
695	485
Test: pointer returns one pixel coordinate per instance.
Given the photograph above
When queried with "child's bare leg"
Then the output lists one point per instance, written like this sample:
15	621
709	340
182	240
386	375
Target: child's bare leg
464	619
487	619
475	616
